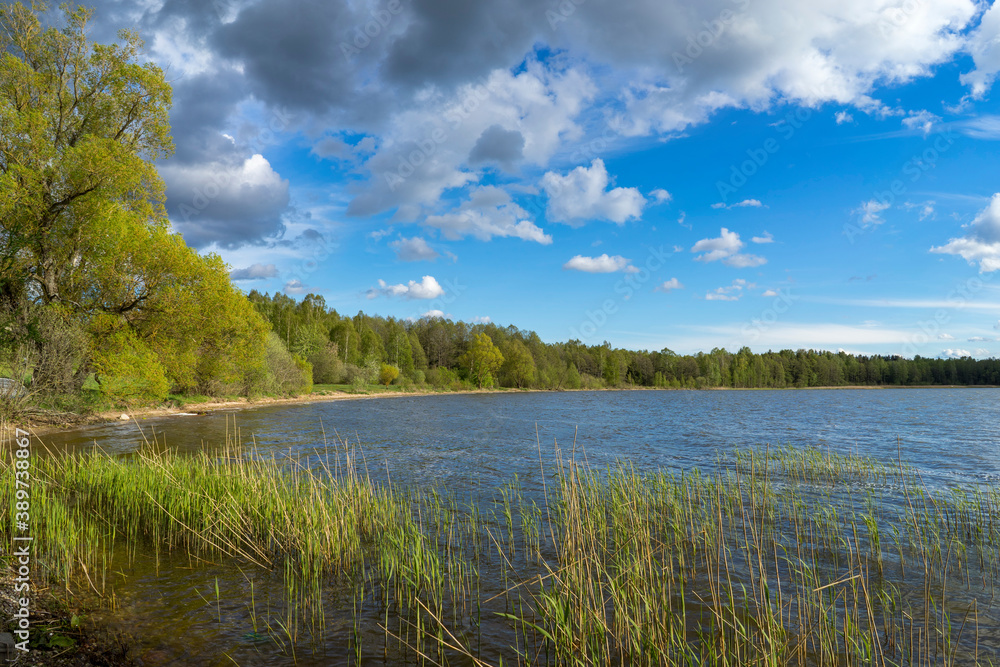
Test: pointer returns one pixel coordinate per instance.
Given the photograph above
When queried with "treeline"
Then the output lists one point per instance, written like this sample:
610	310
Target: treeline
444	353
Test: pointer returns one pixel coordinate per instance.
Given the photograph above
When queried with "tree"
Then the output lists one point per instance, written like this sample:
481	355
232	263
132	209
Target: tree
82	124
387	374
518	367
483	359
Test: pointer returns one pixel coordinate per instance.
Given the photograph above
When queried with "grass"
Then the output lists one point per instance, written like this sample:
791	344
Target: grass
774	557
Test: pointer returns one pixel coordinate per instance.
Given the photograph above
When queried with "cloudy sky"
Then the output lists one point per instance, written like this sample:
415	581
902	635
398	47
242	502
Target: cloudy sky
654	173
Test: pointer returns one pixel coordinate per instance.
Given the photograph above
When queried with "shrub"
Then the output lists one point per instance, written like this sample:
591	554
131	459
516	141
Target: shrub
387	373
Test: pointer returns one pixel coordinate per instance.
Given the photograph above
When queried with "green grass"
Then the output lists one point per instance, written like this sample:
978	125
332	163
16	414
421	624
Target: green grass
775	557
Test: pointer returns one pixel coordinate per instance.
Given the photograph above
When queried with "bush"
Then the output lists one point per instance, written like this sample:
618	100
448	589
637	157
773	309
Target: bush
387	373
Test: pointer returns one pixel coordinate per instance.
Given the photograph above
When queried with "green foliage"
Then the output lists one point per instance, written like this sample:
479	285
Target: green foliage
483	359
286	373
387	374
518	368
127	370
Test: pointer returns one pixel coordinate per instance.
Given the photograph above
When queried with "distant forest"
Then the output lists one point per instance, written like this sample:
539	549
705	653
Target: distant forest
444	353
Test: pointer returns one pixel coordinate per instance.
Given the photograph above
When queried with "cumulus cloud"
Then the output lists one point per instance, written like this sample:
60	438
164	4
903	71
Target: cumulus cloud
434	314
496	144
955	353
602	264
726	248
843	117
228	205
978	339
770	292
985	49
583	195
255	272
296	288
945	336
489	212
669	285
481	320
982	242
413	250
765	238
427	288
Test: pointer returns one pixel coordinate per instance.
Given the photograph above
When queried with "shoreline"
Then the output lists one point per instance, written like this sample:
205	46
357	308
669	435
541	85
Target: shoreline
243	403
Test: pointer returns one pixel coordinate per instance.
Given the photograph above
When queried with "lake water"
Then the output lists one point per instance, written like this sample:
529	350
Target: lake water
472	444
471	441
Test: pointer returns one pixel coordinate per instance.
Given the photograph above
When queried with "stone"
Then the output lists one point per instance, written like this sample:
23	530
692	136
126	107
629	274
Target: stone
124	417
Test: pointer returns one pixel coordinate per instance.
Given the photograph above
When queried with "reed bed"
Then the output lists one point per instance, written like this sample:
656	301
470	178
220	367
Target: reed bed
774	557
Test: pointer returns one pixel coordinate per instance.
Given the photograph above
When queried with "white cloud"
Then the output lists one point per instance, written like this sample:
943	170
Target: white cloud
433	314
770	292
731	293
726	248
922	120
413	250
871	212
427	288
956	353
669	285
489	212
296	288
602	264
978	339
583	195
661	196
249	199
984	44
427	146
255	272
746	203
481	320
997	325
982	243
945	336
766	238
843	117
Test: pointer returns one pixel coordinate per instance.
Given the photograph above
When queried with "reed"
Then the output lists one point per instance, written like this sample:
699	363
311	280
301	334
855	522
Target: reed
775	556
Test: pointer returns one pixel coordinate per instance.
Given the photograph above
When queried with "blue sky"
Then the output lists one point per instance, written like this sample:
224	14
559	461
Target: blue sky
655	174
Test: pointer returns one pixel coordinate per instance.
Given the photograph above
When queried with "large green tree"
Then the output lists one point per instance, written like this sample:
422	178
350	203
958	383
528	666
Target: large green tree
83	227
483	359
80	127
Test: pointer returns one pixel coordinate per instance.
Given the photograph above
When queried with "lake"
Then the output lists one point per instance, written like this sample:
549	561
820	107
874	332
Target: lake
469	445
467	441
